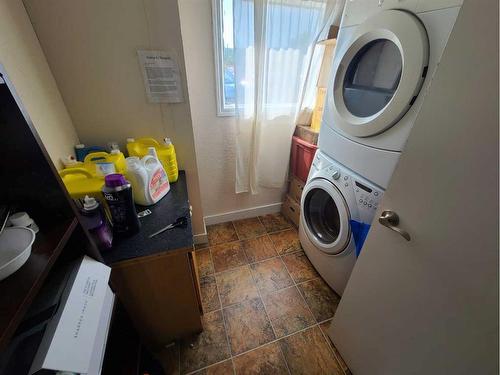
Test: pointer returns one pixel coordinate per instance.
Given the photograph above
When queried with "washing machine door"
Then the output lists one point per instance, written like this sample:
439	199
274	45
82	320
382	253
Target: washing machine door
326	216
380	73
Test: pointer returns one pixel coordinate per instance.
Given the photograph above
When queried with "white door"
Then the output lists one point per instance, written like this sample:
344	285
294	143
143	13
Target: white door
430	305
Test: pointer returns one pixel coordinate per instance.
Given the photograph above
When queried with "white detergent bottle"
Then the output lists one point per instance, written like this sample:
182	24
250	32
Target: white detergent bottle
158	185
138	178
148	179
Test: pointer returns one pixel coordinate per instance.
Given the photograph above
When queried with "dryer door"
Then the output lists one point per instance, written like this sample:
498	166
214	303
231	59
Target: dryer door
326	216
380	74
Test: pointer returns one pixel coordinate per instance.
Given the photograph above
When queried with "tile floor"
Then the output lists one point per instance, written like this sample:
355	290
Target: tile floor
266	308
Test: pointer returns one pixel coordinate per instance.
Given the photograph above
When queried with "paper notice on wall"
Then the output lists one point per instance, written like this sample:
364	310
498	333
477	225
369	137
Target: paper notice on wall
162	78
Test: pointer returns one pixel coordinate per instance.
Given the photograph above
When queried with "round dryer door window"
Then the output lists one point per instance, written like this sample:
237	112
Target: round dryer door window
380	73
326	216
372	78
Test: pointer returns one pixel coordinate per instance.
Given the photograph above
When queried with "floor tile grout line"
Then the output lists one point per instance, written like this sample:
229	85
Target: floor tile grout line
330	345
253	236
273	341
290	227
222	313
284	359
263	303
205	367
270	321
314	317
276	231
225	331
252	263
293	282
255	282
300	293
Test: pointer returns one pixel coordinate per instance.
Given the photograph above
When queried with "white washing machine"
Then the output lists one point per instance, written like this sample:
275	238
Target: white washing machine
332	196
386	55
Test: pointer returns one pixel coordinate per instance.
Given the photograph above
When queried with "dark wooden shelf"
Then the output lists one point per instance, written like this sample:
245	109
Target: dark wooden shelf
18	290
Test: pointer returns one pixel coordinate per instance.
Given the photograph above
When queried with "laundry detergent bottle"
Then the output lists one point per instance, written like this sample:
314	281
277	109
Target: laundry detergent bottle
118	194
165	152
148	179
94	220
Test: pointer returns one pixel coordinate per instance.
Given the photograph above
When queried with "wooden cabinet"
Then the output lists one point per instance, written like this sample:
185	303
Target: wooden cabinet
155	278
160	294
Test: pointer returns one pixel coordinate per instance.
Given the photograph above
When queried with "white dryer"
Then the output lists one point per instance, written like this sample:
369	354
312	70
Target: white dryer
332	197
386	55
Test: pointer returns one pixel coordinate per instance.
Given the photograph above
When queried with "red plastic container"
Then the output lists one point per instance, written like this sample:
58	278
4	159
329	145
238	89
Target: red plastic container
302	157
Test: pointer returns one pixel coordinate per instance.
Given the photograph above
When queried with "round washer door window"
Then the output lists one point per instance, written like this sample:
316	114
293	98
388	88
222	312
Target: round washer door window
326	216
379	75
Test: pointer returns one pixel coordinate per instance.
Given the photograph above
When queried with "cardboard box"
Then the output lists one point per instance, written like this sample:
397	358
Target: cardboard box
75	337
295	189
291	210
307	134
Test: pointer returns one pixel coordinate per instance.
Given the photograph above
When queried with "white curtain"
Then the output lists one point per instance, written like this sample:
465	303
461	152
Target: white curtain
276	64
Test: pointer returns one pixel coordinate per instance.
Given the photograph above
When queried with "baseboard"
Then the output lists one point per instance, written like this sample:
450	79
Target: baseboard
243	214
200	238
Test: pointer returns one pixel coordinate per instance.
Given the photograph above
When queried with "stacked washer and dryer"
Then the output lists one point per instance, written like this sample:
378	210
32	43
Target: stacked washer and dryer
387	53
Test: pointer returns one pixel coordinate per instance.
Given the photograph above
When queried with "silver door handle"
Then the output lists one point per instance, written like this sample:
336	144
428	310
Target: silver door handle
390	219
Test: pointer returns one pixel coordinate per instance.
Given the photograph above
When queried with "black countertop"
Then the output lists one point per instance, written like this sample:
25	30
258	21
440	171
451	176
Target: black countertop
166	211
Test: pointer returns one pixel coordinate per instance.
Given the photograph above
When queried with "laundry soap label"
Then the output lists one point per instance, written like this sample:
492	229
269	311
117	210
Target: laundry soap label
159	185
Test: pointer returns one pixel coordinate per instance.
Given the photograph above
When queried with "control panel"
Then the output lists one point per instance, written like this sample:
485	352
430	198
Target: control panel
367	199
355	189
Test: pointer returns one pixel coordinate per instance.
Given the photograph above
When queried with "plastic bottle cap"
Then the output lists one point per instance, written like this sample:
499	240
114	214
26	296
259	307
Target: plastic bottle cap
115	180
80	146
69	160
130	140
90	203
167	141
152	152
115	151
132	162
113	146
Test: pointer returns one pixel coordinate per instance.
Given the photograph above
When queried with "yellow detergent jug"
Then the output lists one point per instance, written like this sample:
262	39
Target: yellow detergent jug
101	163
165	152
80	182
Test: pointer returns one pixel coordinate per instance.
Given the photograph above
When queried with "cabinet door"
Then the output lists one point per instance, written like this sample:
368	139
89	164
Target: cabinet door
196	278
160	296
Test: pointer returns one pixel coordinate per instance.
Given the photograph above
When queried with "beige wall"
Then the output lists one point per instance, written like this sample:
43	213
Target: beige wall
26	67
214	136
91	47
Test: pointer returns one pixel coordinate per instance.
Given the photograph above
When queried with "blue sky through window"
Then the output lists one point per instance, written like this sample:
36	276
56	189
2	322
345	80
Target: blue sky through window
228	52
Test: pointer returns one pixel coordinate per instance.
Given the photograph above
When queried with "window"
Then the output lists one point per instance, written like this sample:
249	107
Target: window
224	56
